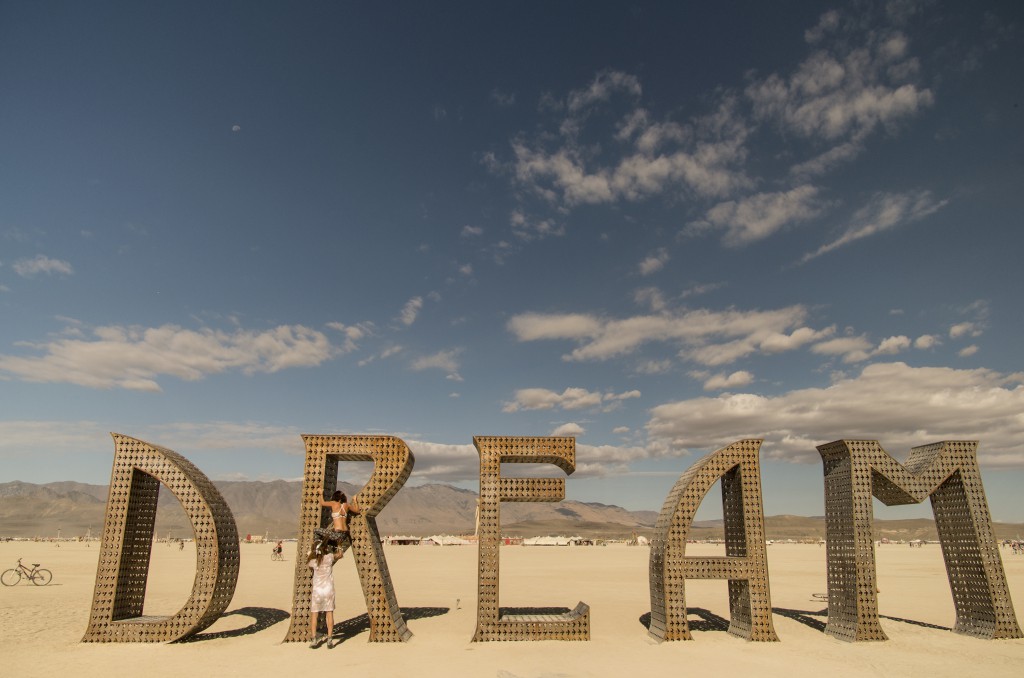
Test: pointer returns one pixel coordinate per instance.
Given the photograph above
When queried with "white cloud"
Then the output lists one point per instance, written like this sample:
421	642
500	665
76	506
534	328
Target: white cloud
651	297
570	399
446	361
892	345
621	429
758	216
964	330
778	342
527	228
654	262
411	310
471	231
852	349
534	326
927	341
968	351
883	212
722	381
601	89
707	337
27	268
845	93
134	357
654	367
898	405
569	429
352	333
828	22
466	269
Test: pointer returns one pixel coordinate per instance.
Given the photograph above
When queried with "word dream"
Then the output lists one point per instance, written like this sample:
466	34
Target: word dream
855	471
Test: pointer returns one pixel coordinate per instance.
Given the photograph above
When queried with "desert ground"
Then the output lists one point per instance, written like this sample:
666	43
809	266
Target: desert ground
436	587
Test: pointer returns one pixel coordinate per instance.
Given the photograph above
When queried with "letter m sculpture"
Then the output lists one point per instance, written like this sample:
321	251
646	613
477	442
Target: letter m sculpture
947	472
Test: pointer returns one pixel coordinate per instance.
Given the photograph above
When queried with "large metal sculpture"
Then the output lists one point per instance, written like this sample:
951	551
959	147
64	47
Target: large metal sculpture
117	604
744	565
947	472
493	623
392	464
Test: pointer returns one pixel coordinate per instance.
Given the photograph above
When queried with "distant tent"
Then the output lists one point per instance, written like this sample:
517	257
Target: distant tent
444	540
557	541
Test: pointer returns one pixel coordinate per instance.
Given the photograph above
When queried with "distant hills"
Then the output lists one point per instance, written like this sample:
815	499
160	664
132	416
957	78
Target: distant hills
272	509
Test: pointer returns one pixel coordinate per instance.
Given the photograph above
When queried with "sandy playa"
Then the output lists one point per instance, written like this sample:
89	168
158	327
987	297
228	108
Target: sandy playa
437	588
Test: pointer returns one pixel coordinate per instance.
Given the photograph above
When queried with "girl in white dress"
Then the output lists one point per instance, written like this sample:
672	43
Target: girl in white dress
321	559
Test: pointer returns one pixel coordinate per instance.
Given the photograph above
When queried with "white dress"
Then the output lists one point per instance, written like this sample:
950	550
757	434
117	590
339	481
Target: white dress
323	584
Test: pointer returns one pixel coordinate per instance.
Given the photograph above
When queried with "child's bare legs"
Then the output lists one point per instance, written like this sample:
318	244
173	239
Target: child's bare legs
330	623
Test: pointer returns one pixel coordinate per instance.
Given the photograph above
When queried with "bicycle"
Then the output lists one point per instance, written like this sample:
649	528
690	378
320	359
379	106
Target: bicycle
37	575
276	555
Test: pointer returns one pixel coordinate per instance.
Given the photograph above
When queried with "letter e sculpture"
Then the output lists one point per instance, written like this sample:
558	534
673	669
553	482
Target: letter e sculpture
123	568
491	622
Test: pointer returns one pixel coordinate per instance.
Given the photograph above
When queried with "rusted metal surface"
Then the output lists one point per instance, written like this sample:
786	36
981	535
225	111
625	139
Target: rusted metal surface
947	472
118	598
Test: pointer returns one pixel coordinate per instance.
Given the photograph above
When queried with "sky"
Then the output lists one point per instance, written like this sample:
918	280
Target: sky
656	227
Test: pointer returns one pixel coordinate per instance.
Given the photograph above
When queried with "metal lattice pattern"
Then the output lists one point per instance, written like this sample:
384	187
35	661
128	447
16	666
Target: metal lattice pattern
491	624
392	464
119	595
745	563
948	473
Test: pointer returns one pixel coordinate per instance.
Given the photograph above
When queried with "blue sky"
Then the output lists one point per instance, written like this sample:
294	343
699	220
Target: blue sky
659	227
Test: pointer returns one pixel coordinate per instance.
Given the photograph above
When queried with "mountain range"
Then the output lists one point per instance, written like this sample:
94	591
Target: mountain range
272	509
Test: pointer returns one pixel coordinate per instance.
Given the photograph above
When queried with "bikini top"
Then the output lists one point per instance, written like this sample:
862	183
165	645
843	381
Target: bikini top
337	515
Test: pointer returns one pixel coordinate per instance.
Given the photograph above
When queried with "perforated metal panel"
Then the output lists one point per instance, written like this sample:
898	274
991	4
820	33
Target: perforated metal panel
856	470
491	623
392	464
118	598
744	565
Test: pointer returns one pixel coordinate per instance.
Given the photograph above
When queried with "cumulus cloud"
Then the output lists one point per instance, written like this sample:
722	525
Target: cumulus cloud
411	310
352	333
845	91
446	361
722	381
968	351
758	216
570	399
134	357
704	336
569	429
927	341
651	297
852	349
898	405
27	268
654	262
883	212
964	330
471	231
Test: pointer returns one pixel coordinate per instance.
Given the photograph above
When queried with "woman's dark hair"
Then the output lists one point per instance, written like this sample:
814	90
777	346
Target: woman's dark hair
339	496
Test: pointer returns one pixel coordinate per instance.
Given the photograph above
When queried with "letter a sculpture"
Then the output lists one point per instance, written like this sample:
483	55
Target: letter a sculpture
493	623
139	469
392	464
947	472
744	565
